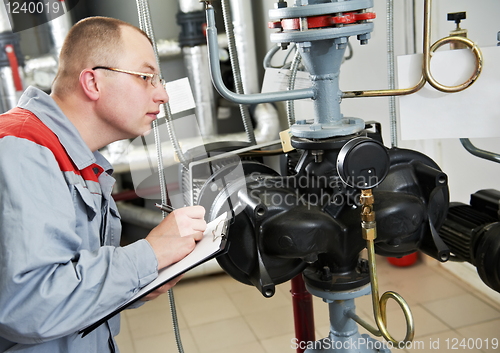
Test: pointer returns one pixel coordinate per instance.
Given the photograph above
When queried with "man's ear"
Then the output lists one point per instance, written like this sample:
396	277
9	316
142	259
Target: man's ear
88	82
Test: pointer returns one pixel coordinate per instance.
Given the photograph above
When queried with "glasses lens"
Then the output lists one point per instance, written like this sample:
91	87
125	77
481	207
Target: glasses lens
155	80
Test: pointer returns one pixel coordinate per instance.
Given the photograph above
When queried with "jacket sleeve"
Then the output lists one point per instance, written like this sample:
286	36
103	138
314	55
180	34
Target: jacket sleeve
49	285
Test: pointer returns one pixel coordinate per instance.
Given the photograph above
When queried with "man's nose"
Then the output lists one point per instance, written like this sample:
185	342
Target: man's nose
161	94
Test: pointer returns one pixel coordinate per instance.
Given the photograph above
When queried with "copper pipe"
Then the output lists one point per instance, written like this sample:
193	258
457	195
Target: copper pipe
369	231
428	50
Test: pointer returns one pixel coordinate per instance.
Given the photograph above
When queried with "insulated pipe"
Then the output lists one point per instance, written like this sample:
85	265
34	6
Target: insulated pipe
59	28
5	20
196	62
42	70
235	66
241	13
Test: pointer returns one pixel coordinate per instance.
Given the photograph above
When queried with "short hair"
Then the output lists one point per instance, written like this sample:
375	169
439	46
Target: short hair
93	41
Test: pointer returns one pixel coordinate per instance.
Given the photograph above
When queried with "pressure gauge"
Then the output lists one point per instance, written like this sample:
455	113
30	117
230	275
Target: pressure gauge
363	163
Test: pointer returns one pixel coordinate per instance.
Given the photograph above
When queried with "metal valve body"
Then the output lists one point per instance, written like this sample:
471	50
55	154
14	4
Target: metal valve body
307	218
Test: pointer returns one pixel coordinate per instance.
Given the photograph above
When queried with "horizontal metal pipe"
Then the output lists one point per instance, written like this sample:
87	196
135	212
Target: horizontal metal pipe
491	156
243	98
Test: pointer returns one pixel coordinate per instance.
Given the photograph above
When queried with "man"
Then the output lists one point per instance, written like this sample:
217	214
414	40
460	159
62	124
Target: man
60	261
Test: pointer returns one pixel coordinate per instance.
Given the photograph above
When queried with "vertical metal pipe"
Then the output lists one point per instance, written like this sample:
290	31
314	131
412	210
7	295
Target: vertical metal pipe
303	313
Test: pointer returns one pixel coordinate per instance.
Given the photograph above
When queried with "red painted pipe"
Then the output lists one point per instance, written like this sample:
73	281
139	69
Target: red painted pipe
302	313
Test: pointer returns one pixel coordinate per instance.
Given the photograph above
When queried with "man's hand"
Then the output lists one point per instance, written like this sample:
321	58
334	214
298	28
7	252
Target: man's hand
176	236
161	290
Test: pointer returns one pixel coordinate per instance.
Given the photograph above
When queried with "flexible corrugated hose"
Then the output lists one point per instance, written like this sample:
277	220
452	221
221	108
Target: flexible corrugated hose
146	26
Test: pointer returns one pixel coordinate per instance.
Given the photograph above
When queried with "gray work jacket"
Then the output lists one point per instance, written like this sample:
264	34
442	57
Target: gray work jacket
61	266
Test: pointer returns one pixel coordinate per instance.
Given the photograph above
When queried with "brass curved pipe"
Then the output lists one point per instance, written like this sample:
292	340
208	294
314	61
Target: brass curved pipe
452	89
380	306
385	92
426	72
369	229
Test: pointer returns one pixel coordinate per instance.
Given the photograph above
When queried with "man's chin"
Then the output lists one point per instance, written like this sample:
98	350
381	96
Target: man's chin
147	132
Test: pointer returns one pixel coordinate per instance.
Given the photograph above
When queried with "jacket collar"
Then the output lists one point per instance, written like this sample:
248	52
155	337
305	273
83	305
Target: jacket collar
49	113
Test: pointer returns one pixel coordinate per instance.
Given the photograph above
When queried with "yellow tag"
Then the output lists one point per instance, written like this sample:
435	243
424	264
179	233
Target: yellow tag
286	140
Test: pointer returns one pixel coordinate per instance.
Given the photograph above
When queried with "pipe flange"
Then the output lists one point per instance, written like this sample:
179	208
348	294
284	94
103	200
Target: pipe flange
319	9
340	295
322	34
346	126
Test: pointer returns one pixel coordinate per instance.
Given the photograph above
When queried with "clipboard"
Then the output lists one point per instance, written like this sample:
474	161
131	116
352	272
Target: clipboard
210	246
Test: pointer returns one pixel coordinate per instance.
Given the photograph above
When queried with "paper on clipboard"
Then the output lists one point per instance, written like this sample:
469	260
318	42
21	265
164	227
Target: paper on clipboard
212	244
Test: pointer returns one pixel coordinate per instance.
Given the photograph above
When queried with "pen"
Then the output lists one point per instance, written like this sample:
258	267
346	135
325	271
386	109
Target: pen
165	208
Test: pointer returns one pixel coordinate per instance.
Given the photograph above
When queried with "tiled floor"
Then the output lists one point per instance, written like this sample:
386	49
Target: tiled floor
219	314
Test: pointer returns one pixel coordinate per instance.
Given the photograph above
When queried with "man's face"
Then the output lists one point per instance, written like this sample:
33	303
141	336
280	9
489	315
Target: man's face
129	104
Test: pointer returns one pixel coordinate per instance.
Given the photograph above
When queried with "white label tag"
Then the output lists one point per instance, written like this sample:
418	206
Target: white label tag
181	96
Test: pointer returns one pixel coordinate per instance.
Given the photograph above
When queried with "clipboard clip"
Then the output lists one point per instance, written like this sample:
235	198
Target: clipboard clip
222	225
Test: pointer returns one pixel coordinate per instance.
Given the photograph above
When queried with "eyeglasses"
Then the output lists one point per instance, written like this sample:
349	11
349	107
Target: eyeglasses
154	78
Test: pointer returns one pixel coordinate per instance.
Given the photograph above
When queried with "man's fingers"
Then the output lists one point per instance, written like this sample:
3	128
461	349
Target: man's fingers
196	236
195	211
199	225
